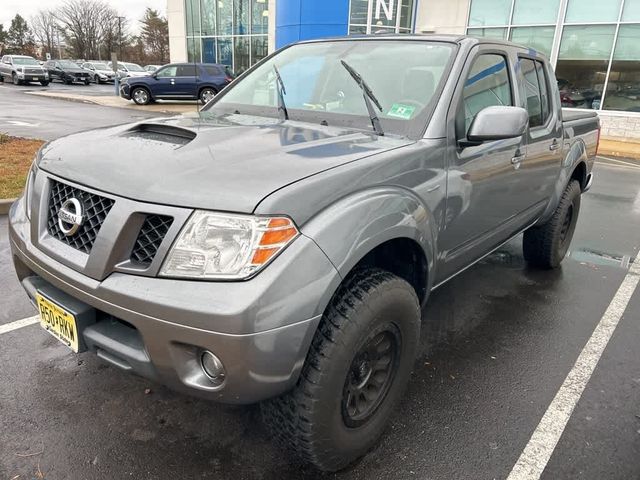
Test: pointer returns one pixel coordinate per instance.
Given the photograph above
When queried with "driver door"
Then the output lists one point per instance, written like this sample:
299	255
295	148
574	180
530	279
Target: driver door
481	178
164	81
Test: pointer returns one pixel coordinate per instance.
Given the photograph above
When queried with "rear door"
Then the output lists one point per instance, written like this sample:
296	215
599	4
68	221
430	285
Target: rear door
186	81
481	179
541	165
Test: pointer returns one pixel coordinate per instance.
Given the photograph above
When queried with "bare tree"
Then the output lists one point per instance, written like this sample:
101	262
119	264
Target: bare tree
86	24
44	27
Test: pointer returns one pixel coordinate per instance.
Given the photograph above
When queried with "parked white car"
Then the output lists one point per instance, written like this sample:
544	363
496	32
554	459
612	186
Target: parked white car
127	69
100	71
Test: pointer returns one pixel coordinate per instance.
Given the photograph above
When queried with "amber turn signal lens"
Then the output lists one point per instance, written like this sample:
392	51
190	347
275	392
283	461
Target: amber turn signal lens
275	237
263	255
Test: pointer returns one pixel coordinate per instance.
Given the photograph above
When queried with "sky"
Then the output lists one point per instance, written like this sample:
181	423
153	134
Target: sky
132	9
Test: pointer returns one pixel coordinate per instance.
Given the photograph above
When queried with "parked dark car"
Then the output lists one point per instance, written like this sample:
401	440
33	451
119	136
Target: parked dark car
178	81
22	69
67	71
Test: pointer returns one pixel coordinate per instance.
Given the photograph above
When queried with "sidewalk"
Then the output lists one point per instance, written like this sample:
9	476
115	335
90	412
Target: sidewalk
616	148
163	106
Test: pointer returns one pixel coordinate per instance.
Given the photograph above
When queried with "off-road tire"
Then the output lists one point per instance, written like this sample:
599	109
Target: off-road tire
545	246
311	420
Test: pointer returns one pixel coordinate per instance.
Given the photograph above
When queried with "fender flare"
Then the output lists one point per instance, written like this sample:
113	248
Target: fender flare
576	155
353	226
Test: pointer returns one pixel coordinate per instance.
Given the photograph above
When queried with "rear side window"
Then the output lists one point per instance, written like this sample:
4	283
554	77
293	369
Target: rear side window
213	71
488	84
186	71
535	92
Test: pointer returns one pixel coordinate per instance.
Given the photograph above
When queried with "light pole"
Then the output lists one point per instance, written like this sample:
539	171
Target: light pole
120	35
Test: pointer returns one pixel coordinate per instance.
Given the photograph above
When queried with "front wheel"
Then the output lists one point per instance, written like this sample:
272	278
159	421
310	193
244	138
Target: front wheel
44	83
546	245
356	370
16	80
97	79
140	96
87	81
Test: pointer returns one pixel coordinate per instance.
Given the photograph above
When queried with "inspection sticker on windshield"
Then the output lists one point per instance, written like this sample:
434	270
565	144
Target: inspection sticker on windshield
401	111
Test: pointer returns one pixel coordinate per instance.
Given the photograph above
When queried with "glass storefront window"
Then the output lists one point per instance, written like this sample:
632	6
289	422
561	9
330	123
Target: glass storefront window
623	89
359	12
528	12
406	15
193	50
225	51
582	64
240	17
241	54
499	33
208	15
260	16
538	38
631	11
584	11
489	12
224	17
259	48
209	54
192	12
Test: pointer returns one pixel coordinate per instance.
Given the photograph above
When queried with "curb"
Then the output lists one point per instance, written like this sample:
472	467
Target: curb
5	205
63	97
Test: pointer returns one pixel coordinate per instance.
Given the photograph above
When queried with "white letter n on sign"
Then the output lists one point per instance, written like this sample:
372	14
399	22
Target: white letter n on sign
387	7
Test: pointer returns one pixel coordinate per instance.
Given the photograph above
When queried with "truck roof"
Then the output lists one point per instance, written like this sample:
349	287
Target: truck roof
450	38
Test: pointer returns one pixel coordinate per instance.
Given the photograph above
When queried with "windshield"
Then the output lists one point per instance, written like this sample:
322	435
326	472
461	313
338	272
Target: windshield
100	66
68	64
132	67
403	75
25	61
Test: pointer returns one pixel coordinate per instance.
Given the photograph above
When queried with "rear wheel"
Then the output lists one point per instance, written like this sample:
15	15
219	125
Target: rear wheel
140	96
356	370
206	95
546	245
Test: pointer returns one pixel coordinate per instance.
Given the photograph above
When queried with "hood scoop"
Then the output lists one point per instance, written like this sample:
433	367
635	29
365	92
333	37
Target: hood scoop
160	133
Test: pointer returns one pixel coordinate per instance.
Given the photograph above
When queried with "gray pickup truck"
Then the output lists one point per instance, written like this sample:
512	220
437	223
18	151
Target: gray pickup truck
278	246
22	69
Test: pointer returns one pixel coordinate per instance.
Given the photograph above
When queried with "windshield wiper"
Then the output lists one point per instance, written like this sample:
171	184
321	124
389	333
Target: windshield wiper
282	107
368	96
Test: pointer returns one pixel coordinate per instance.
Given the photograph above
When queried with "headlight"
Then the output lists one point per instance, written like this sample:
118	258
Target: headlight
224	246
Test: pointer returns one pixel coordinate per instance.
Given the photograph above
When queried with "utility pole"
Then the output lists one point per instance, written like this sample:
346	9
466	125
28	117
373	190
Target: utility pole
120	35
59	49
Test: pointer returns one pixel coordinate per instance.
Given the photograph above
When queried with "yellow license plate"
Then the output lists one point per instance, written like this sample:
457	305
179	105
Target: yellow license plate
58	322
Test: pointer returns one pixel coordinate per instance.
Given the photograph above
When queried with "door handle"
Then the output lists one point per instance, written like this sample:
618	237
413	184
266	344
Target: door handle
173	82
517	159
554	145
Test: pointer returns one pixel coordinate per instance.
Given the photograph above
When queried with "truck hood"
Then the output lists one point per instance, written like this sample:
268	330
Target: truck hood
225	163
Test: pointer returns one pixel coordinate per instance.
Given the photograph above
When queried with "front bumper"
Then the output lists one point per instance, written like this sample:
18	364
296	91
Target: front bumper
33	77
261	329
125	91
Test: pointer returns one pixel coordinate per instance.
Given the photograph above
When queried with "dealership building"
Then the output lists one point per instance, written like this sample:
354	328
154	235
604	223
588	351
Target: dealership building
594	45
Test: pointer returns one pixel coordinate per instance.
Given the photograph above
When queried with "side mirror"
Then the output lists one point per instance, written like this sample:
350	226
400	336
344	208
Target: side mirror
498	123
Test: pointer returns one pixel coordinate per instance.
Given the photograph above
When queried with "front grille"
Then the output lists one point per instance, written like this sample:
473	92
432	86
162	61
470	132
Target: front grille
152	232
33	70
95	209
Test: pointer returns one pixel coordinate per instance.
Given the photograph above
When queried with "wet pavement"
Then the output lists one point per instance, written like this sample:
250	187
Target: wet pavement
497	343
31	116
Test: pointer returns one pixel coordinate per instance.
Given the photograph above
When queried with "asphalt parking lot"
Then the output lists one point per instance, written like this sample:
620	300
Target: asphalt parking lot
498	342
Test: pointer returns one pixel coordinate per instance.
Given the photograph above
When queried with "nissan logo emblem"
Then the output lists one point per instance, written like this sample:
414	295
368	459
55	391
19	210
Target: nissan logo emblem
70	216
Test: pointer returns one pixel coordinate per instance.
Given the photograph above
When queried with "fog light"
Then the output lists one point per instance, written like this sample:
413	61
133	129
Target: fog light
212	367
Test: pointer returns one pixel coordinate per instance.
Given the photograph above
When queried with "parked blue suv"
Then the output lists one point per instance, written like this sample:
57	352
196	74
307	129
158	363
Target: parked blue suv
178	81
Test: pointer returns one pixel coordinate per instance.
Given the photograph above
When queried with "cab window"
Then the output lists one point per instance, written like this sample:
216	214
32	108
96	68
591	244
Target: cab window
487	84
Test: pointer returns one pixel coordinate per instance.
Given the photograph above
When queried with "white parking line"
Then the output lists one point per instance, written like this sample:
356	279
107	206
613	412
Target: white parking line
25	322
536	454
